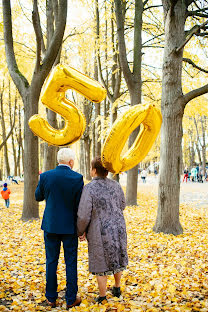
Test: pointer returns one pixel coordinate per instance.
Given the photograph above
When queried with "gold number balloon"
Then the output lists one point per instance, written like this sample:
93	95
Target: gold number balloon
61	79
151	119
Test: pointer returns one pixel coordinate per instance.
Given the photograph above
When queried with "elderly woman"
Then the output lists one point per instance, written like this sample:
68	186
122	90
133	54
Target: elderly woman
100	216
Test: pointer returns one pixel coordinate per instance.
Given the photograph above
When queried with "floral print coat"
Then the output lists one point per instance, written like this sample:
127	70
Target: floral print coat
100	215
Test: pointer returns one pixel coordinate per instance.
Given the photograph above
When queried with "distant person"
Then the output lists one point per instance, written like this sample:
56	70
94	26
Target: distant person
15	181
61	188
101	220
200	176
186	175
206	175
5	195
155	172
144	175
194	174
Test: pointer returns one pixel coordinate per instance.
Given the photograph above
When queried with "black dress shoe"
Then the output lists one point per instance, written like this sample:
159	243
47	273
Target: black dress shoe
101	299
76	303
116	291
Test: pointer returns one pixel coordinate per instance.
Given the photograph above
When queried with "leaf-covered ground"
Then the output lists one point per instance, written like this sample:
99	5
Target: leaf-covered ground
165	273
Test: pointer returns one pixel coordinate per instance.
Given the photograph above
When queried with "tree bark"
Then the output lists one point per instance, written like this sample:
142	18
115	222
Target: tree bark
81	157
12	136
50	151
198	152
171	132
97	105
4	136
87	109
203	119
93	141
30	93
133	79
31	165
19	140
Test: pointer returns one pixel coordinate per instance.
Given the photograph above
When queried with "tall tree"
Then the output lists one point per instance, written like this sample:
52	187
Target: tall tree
11	121
5	136
98	105
132	77
111	83
3	126
52	19
173	104
30	92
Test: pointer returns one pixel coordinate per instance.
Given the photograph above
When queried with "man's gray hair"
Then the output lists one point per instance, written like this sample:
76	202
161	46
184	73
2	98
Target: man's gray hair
65	155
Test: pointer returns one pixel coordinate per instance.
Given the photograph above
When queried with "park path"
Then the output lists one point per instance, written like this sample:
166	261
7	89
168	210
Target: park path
192	193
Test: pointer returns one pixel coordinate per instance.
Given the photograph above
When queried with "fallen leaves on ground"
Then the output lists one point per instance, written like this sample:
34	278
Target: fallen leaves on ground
165	273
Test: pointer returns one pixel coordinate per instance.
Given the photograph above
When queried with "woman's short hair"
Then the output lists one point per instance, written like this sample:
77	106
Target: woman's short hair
101	171
65	155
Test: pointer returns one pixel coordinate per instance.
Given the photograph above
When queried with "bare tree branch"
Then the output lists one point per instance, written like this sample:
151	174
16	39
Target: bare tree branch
195	93
122	44
197	131
196	29
13	124
187	60
19	80
110	97
196	12
204	34
152	6
56	41
38	33
22	44
73	34
145	2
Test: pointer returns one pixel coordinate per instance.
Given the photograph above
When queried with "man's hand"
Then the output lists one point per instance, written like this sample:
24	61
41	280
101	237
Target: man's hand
82	237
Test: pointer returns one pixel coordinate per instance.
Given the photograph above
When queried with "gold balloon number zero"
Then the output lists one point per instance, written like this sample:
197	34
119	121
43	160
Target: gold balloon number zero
150	118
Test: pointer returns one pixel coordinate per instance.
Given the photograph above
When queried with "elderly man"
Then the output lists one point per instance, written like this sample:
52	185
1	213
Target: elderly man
61	188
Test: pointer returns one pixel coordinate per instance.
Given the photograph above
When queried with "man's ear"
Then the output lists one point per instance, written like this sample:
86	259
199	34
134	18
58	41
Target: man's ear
71	163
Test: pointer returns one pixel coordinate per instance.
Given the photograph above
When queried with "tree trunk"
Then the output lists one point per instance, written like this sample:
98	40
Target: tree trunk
192	155
10	119
169	179
87	110
93	140
97	122
203	143
97	105
81	157
132	78
30	93
87	157
50	151
198	152
6	158
31	166
172	106
114	114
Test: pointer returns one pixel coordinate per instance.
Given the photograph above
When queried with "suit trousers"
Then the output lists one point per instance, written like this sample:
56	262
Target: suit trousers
52	247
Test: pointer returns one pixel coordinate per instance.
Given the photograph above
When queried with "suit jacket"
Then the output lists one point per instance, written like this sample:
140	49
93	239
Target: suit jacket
61	188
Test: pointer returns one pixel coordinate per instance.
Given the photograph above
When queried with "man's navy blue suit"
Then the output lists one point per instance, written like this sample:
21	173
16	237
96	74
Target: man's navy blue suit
61	188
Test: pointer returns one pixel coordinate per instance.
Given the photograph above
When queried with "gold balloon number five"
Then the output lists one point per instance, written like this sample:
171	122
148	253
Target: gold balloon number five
63	78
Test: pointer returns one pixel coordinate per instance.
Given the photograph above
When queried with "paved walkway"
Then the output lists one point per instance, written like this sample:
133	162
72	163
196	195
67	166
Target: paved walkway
193	193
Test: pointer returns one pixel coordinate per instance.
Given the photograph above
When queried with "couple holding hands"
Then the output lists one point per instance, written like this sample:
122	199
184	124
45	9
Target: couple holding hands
93	212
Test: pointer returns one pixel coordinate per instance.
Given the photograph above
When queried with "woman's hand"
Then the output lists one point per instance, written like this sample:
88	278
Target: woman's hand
82	237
